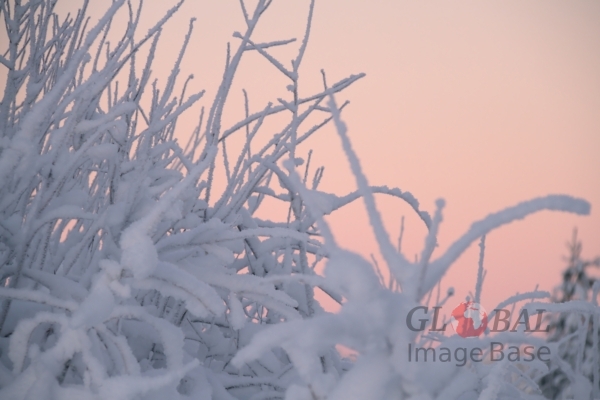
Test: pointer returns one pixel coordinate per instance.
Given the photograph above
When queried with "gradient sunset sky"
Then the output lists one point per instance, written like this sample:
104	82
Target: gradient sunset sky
484	104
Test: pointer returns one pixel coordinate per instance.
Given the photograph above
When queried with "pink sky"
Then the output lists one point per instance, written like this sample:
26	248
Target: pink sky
484	104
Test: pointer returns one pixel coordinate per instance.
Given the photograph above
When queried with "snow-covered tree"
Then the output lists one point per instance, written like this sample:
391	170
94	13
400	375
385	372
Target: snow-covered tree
577	334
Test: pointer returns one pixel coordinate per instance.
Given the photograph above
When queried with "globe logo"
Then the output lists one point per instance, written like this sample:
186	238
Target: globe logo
469	319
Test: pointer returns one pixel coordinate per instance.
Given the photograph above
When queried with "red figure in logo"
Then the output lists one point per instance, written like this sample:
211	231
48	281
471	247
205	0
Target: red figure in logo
469	319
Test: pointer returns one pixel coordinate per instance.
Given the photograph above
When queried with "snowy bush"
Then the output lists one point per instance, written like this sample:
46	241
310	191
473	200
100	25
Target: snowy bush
124	274
117	277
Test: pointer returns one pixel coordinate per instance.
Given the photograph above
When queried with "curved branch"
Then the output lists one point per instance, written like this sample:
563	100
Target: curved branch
552	202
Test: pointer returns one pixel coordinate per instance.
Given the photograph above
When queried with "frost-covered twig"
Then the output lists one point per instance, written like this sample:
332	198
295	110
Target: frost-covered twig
553	203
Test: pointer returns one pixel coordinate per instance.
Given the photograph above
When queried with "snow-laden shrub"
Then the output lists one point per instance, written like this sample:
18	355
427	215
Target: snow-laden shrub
123	273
